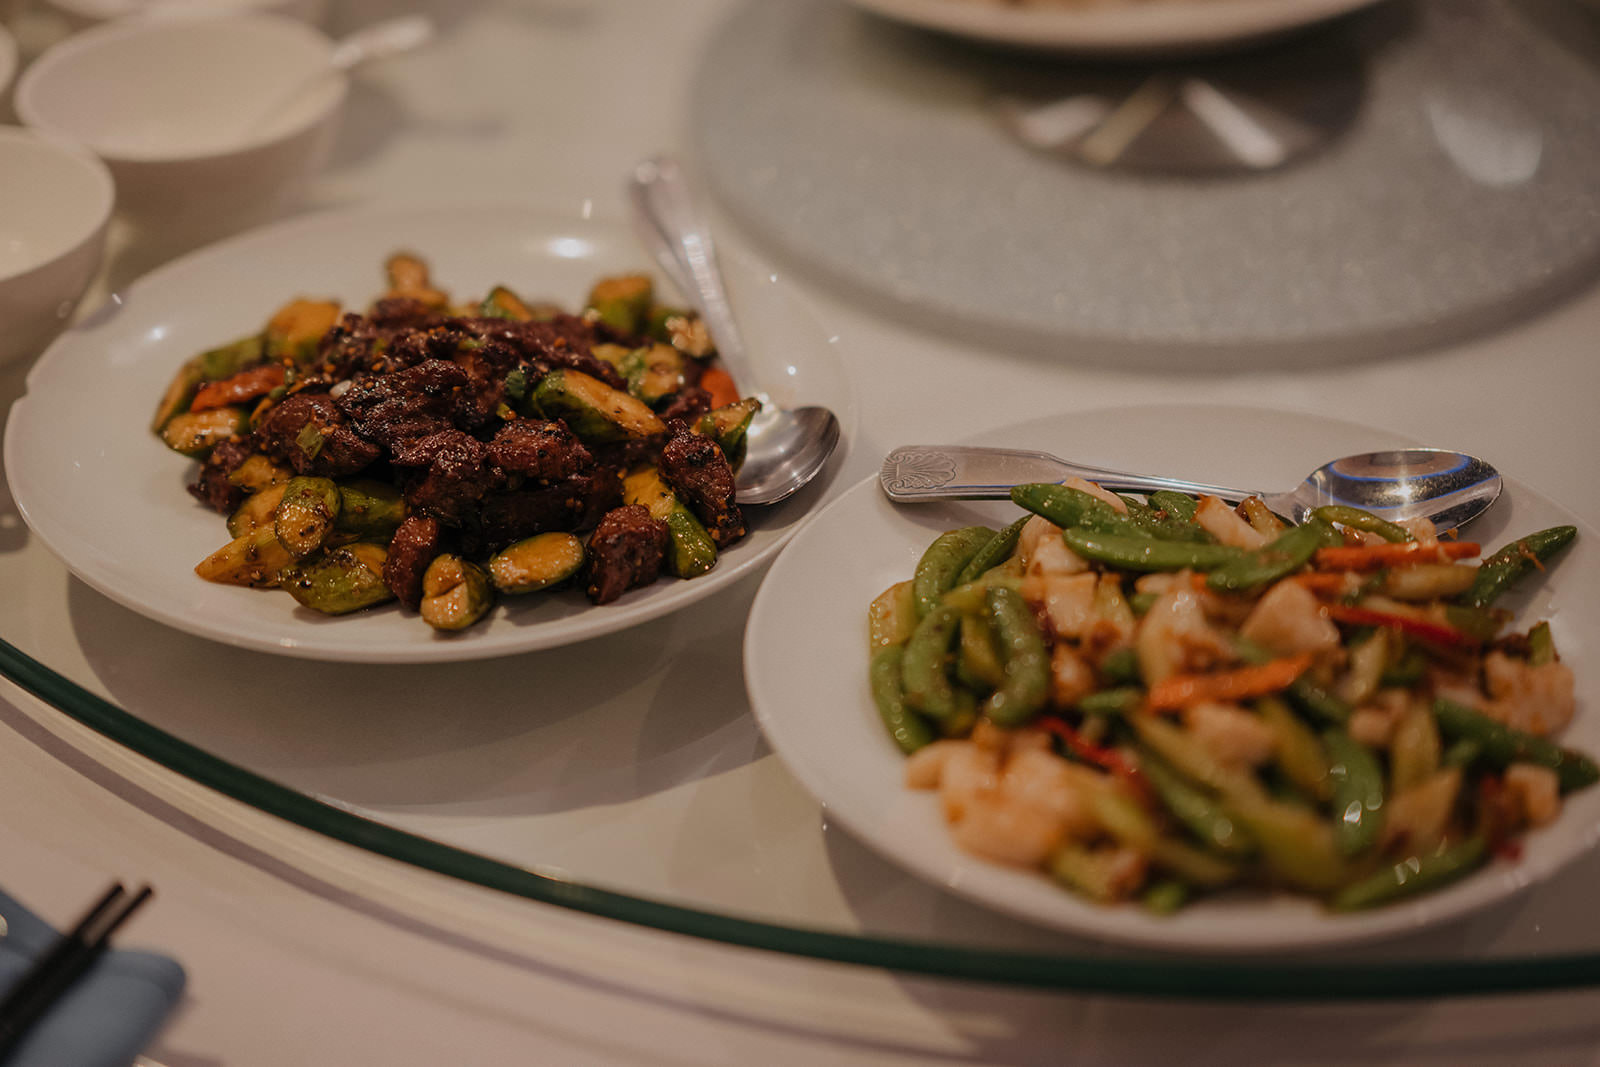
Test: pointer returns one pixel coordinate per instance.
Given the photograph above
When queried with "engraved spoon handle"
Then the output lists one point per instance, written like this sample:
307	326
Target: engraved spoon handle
916	473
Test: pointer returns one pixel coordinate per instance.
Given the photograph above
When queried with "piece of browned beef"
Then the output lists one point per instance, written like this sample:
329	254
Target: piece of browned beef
415	543
539	448
398	409
575	503
453	473
211	487
688	403
625	551
309	433
700	474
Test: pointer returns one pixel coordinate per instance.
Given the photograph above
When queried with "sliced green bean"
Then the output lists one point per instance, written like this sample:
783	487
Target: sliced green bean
1357	519
1202	816
994	552
1026	687
1178	505
1357	792
1503	569
1503	746
1541	646
943	561
1166	896
1416	874
888	693
1124	700
925	670
1146	553
1283	555
1462	753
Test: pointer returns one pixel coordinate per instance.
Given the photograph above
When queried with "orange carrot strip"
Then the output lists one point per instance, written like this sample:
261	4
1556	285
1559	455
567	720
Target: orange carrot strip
246	385
719	383
1182	690
1372	557
1329	583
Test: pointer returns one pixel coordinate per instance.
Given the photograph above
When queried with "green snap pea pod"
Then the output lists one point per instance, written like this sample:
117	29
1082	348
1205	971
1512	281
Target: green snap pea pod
1202	816
1124	700
1283	555
1500	571
994	552
1357	792
1463	753
925	670
1179	505
1417	874
1146	553
1166	896
978	664
1067	507
1503	745
1026	687
1121	666
888	693
942	562
1357	519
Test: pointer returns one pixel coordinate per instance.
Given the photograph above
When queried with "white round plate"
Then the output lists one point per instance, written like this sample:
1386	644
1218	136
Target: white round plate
811	610
1114	26
106	496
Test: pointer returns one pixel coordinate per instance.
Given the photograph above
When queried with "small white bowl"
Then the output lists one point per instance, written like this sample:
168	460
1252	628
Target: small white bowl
53	217
209	124
8	60
81	14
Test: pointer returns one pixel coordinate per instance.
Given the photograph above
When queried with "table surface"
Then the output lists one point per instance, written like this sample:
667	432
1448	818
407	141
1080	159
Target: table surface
302	950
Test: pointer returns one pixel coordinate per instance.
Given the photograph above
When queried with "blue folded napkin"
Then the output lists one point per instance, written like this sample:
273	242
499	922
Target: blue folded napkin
108	1016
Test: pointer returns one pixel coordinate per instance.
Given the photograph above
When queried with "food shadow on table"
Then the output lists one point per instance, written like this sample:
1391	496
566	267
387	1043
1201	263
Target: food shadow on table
1431	205
603	722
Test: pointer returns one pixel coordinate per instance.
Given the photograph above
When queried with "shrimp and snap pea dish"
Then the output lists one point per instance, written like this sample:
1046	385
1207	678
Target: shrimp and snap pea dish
442	454
1157	699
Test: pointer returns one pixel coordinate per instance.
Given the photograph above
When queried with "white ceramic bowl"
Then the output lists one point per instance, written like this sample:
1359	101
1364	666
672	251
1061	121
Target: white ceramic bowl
53	213
209	124
8	60
81	14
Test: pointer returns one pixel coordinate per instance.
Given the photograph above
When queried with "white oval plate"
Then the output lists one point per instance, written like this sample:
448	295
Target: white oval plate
1115	26
811	610
108	498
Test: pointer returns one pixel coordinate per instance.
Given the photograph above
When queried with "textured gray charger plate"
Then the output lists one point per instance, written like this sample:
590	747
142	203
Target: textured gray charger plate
1457	190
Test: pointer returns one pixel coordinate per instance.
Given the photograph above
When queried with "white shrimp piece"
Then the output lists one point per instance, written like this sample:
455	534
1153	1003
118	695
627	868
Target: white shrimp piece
1421	529
1066	599
1371	726
1223	523
1230	735
925	766
1290	619
1537	789
1037	532
1116	502
1071	677
970	773
1127	871
1038	778
1175	636
1536	699
1017	834
1052	558
1156	583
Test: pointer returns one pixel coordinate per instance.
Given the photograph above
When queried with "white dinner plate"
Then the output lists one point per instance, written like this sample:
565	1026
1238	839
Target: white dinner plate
106	496
1124	27
806	669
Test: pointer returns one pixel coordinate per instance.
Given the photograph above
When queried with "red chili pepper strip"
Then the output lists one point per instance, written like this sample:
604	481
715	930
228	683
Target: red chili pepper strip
1105	758
1182	690
1373	557
246	385
1436	632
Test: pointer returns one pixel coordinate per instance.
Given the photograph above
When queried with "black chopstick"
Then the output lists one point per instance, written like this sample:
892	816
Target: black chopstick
53	973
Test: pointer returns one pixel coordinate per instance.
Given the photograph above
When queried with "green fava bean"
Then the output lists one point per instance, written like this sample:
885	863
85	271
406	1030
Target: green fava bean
925	670
1026	687
888	693
1284	555
1502	570
943	562
1357	792
994	552
1417	874
1148	554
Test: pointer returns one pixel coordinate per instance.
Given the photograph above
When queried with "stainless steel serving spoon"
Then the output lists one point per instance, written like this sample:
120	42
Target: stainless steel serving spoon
1449	488
787	446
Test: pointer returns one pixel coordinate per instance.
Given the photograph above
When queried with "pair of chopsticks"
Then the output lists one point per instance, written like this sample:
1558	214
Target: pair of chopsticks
53	973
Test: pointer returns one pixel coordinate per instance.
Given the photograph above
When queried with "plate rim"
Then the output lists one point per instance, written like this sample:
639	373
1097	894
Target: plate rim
957	871
594	622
